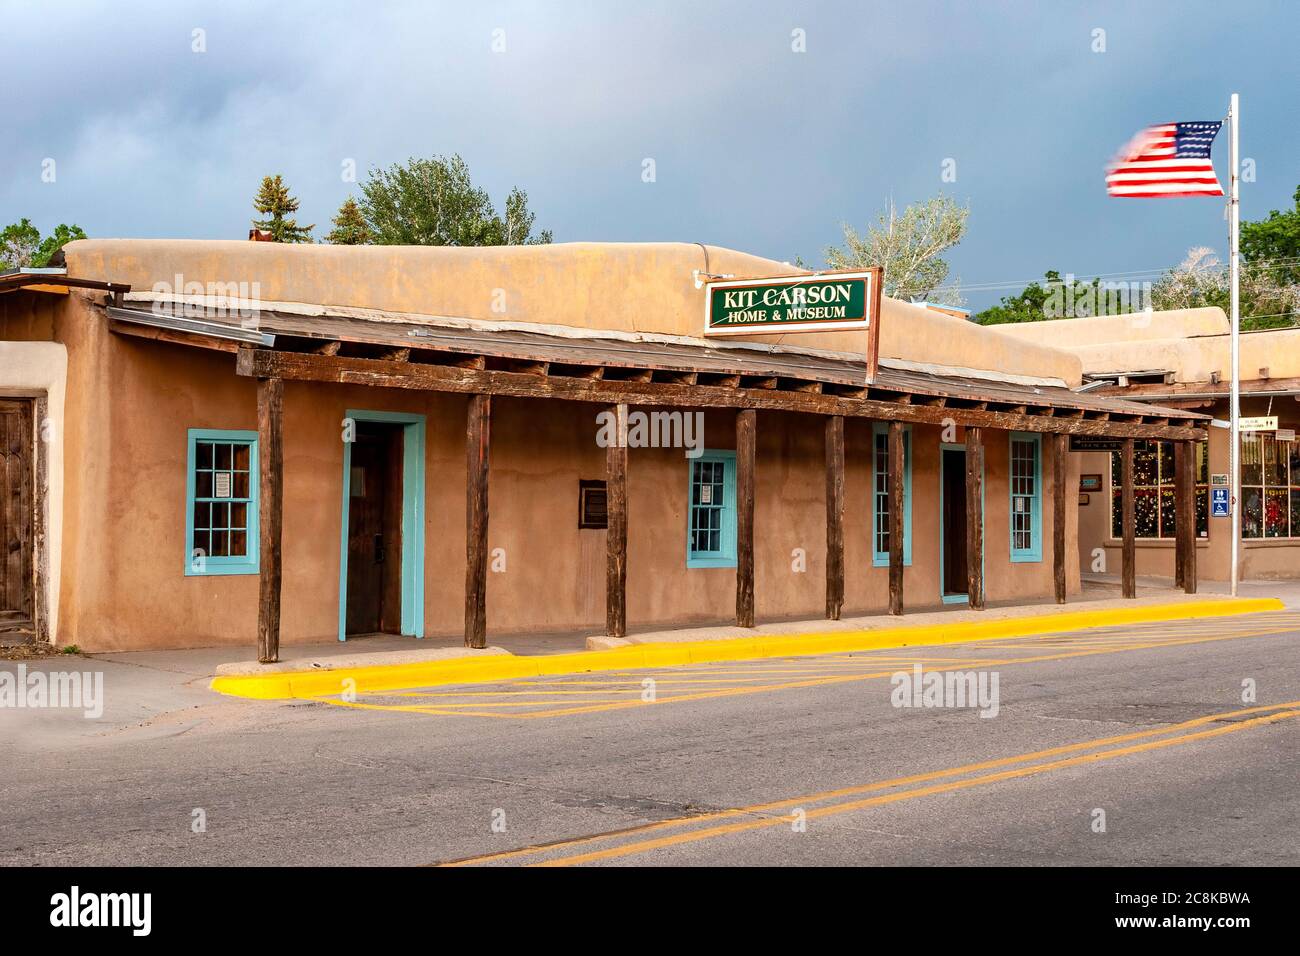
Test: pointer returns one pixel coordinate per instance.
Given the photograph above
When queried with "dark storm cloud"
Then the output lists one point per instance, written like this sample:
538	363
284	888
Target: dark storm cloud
755	146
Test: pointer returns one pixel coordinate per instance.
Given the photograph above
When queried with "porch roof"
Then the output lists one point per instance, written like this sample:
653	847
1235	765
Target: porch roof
468	357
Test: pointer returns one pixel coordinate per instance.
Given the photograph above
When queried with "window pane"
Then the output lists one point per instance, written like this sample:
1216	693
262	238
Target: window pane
1252	472
1147	513
1167	524
1203	512
1202	464
239	544
219	544
1144	464
1116	514
202	516
1252	513
239	515
203	454
1276	513
203	484
239	487
1295	512
1166	462
1275	470
241	457
222	452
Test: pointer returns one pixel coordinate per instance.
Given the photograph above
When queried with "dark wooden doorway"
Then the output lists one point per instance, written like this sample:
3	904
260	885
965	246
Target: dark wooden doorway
17	521
374	587
955	579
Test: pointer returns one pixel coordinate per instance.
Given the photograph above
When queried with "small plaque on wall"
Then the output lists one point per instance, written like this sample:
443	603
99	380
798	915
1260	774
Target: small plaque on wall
593	505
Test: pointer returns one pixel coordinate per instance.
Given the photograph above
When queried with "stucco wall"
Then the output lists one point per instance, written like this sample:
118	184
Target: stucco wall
124	556
1192	343
629	287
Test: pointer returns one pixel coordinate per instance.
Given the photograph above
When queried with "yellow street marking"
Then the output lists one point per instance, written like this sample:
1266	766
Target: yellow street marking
726	829
747	687
1279	712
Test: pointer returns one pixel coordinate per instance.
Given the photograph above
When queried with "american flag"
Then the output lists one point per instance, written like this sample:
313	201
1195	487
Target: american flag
1168	160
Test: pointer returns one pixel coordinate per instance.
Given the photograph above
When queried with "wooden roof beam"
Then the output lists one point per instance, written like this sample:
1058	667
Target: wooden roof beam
674	377
264	363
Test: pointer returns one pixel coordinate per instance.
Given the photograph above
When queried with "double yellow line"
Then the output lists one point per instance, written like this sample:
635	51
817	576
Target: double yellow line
692	829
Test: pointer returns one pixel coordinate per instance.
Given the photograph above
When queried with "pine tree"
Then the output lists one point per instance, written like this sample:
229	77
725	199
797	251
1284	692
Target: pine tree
274	199
350	227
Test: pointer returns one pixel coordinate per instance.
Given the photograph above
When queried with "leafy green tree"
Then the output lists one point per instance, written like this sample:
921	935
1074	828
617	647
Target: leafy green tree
1066	298
1274	243
274	201
434	202
350	227
909	247
1027	306
21	245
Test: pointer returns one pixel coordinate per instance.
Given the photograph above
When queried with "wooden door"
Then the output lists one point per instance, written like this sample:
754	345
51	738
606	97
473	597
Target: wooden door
954	521
17	518
374	595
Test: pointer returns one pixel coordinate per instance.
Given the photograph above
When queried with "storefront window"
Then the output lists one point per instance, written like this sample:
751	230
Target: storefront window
1154	501
1270	487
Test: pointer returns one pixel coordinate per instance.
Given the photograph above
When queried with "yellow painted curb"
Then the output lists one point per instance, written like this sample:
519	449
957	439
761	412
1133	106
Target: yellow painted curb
497	667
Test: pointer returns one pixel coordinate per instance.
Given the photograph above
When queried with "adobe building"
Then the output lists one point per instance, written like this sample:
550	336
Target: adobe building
409	440
1181	359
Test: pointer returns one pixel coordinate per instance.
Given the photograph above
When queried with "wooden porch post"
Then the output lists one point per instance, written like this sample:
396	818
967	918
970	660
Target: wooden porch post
1185	511
1128	515
270	457
1060	461
477	444
1179	506
975	518
834	516
616	533
894	456
745	439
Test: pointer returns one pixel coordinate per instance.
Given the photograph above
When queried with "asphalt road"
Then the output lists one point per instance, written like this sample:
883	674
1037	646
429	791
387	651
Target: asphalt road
796	761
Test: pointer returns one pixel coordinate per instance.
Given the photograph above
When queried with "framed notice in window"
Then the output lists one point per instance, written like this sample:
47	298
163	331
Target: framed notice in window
593	505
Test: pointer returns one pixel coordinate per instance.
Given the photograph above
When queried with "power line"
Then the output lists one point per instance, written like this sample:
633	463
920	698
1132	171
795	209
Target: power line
1133	273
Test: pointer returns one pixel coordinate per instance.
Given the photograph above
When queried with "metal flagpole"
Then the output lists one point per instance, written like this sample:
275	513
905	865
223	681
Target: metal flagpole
1234	229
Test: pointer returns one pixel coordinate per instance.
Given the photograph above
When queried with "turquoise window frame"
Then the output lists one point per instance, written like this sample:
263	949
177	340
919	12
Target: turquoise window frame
725	557
222	564
413	514
1034	552
880	559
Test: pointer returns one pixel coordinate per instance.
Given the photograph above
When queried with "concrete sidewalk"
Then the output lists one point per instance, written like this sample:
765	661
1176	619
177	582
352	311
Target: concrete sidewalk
710	645
198	665
1286	591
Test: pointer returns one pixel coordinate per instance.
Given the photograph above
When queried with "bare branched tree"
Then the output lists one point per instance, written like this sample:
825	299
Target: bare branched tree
909	247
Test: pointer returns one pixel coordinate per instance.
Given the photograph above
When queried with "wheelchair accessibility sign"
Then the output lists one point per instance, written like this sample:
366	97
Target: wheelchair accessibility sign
1219	502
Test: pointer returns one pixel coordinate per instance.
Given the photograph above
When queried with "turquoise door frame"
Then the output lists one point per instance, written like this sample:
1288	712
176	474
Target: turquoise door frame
963	597
412	519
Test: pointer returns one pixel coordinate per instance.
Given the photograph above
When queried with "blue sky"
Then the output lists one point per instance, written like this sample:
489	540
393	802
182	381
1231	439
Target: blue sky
756	146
